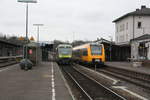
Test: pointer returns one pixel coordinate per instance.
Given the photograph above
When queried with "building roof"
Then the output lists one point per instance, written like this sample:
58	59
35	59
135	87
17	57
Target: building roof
143	37
32	44
144	11
121	44
9	43
102	40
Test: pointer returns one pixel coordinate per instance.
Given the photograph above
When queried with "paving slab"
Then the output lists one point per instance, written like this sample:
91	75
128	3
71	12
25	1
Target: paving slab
35	84
61	87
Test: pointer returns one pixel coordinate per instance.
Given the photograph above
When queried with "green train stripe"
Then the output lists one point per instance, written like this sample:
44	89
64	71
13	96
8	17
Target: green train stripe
64	56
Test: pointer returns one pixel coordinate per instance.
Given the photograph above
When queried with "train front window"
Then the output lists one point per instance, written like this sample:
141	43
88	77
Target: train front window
96	50
65	51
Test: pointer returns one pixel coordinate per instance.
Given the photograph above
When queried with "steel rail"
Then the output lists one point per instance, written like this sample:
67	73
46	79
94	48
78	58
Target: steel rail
111	92
101	85
137	78
78	85
133	80
9	60
136	75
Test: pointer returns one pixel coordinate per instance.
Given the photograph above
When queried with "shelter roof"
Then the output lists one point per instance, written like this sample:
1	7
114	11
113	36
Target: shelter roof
7	42
143	37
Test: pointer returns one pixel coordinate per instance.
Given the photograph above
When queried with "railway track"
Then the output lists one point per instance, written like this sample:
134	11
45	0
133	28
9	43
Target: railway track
139	79
4	63
90	88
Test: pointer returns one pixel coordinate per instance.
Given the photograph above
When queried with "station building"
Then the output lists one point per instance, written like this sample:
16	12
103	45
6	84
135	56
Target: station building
132	32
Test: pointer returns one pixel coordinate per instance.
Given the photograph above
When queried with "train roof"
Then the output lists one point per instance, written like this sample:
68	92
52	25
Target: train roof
87	44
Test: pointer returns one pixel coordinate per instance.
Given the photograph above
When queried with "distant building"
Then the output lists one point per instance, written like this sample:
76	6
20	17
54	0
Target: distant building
9	48
132	25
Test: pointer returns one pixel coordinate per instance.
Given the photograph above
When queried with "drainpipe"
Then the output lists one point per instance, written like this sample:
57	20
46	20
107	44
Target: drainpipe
133	27
133	46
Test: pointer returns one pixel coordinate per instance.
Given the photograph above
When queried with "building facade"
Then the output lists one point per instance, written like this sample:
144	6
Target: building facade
140	47
132	25
10	49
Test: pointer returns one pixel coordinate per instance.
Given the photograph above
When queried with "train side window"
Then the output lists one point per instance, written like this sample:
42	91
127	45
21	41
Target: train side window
77	53
84	52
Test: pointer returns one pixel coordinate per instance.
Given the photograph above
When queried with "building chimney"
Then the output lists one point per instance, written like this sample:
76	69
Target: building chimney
143	6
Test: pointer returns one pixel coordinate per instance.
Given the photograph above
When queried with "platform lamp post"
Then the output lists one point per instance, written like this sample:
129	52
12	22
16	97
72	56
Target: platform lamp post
27	2
38	31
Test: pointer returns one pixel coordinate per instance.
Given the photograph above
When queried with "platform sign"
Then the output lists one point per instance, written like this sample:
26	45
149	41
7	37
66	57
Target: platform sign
30	51
27	1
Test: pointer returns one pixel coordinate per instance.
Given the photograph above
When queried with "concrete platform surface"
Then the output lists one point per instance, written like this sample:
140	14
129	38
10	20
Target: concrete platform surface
128	66
43	82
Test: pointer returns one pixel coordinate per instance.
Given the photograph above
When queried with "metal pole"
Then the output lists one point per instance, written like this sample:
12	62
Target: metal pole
37	44
133	27
26	56
143	30
110	48
38	33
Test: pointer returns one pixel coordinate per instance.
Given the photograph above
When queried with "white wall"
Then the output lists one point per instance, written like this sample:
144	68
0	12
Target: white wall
126	34
145	25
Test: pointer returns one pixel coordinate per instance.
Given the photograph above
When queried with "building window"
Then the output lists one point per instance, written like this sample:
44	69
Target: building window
120	28
126	37
139	25
117	39
127	26
123	27
117	28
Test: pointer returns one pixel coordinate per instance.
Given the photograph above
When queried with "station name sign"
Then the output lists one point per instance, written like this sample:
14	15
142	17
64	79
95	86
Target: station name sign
28	1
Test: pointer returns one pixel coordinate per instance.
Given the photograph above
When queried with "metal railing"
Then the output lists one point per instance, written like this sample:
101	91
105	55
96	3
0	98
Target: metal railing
9	60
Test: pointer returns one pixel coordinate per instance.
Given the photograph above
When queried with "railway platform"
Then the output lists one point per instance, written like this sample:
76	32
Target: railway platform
128	66
43	82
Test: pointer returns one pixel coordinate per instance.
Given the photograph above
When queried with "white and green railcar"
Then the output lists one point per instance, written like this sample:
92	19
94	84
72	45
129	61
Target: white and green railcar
64	54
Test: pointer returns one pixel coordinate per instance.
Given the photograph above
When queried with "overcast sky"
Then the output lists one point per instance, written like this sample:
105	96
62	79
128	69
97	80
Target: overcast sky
87	19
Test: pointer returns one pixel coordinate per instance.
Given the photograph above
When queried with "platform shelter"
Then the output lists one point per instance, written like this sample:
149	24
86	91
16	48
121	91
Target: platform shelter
115	52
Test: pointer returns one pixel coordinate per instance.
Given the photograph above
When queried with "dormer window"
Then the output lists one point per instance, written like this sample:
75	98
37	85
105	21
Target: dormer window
139	24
